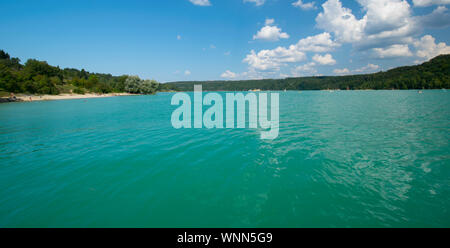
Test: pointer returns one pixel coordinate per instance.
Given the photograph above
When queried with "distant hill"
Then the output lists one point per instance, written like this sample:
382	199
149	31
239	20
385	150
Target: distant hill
434	74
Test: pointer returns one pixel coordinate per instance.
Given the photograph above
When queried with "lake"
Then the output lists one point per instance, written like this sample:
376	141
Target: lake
342	159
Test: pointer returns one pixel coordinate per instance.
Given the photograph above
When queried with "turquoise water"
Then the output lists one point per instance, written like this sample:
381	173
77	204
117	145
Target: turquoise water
342	159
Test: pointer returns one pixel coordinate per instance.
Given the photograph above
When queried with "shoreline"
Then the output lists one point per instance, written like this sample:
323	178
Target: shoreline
26	98
32	98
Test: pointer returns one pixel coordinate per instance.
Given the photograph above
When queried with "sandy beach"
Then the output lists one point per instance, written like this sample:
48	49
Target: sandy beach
28	98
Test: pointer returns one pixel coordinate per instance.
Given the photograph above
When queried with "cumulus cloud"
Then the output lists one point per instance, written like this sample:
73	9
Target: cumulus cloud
256	2
275	58
200	2
368	68
317	43
384	29
365	69
270	33
387	27
229	74
304	70
428	49
304	6
424	3
187	72
439	18
385	15
385	22
326	59
398	50
341	22
341	71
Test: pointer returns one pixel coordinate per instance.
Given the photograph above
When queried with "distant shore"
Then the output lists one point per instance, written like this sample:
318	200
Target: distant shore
32	98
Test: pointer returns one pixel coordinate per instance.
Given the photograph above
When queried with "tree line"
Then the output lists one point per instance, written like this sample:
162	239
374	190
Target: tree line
38	77
434	74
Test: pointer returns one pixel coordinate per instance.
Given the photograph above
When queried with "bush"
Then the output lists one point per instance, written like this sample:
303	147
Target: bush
135	85
79	91
132	84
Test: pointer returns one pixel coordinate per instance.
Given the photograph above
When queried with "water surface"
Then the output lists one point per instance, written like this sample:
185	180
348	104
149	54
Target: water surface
342	159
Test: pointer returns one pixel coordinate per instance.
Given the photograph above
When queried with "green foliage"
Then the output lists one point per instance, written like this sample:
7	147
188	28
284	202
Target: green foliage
132	84
4	55
434	74
38	77
148	87
79	91
12	63
135	85
34	67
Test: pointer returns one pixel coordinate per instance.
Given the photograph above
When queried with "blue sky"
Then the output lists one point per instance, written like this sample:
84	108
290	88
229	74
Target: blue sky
177	40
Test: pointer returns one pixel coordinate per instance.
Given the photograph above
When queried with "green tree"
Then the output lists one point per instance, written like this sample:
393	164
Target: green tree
34	67
4	55
148	87
132	84
91	82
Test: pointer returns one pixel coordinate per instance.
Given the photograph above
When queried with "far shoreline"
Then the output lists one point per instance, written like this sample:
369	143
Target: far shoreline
33	98
67	96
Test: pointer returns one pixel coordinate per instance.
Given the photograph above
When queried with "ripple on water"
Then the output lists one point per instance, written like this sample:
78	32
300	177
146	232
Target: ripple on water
343	159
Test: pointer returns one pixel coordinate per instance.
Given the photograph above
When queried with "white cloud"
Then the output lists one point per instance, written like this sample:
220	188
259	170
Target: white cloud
385	22
227	53
318	43
385	15
200	2
269	21
305	6
439	18
383	29
304	70
428	49
178	37
274	59
397	50
229	74
256	2
187	72
212	46
270	33
368	68
254	74
326	59
341	22
424	3
341	71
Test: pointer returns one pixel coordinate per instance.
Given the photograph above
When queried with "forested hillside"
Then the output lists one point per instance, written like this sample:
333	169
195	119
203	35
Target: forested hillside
38	77
434	74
